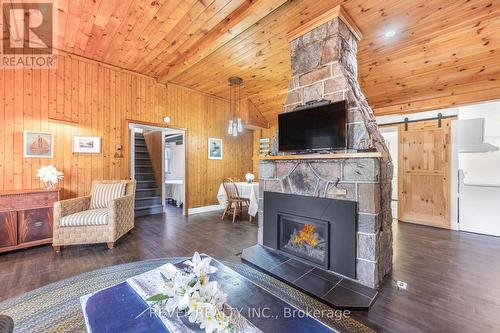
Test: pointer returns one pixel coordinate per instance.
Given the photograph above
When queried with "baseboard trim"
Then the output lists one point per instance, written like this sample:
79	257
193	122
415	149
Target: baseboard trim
205	209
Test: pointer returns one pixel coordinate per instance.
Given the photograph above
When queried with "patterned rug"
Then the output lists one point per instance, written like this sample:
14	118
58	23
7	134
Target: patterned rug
56	307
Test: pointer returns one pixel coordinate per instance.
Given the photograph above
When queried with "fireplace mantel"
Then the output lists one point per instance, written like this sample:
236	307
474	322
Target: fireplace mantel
322	156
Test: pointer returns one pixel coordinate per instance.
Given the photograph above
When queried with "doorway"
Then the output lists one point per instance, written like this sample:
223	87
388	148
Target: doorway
157	163
424	172
174	171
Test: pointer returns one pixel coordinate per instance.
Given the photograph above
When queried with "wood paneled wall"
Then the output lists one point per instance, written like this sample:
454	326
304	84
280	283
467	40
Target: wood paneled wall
83	97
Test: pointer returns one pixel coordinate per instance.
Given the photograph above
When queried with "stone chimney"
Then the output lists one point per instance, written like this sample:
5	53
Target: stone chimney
324	67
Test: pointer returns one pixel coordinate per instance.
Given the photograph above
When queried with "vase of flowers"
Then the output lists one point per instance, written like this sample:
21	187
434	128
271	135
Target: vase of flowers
49	176
250	177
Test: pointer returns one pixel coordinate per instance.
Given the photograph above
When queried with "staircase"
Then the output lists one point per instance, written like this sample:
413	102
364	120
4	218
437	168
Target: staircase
148	195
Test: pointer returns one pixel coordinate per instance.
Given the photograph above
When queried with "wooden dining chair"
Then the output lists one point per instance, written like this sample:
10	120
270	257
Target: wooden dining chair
234	201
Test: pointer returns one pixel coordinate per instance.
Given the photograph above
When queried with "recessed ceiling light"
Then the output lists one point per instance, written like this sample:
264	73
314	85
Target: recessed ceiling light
390	33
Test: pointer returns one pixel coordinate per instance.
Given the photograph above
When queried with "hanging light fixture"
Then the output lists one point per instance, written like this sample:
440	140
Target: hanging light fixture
235	126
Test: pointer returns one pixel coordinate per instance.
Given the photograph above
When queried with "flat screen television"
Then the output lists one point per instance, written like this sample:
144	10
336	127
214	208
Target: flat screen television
320	128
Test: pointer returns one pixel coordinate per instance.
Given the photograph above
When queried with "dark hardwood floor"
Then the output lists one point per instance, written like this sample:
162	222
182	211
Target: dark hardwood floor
453	278
157	236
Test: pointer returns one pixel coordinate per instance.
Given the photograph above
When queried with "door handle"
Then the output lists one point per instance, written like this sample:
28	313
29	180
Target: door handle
38	224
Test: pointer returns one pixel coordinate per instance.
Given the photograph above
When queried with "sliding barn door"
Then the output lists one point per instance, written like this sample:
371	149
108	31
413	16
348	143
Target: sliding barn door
424	173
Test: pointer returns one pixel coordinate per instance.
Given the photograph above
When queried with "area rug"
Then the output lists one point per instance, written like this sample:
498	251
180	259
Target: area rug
56	307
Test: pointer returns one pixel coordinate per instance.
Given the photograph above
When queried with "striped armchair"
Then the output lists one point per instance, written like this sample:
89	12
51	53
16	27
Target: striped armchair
102	217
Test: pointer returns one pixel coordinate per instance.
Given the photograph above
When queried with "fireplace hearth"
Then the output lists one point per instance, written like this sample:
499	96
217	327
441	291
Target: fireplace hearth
310	243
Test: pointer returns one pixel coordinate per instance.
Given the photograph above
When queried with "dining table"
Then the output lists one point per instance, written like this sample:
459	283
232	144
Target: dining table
246	191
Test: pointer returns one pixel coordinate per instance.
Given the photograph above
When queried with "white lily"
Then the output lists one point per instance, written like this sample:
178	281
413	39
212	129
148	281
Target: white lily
201	267
209	321
181	290
213	293
195	307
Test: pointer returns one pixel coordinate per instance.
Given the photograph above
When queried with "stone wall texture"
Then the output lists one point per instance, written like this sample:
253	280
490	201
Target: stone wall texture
324	67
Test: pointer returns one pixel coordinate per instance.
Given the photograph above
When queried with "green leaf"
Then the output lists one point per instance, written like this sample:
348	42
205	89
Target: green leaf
157	298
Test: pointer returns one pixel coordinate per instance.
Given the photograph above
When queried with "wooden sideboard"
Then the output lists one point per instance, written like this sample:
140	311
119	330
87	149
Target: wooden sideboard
26	218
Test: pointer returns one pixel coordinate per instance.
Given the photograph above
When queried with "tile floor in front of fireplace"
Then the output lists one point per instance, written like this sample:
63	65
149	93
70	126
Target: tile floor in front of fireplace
325	286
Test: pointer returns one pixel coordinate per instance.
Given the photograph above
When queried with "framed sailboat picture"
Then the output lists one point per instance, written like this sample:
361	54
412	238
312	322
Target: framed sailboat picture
38	144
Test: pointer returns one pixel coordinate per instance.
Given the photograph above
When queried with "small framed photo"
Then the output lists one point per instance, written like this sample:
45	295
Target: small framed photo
38	144
86	144
214	149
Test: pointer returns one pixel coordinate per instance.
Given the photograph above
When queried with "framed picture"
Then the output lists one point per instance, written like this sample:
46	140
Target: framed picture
87	144
214	149
38	144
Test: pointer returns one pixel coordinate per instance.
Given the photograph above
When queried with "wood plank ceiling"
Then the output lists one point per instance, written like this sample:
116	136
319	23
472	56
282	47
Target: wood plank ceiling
445	51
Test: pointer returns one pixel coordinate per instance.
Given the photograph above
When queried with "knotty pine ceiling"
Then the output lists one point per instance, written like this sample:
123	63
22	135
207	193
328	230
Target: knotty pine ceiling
445	52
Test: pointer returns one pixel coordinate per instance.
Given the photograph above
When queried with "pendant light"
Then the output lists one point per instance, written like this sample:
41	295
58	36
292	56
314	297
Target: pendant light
235	125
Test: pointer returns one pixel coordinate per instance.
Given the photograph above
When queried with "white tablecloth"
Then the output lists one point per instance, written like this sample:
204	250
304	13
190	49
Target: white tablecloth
175	189
247	191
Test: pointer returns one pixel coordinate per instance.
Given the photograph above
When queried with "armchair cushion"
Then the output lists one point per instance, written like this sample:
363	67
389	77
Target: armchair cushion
86	218
71	206
103	193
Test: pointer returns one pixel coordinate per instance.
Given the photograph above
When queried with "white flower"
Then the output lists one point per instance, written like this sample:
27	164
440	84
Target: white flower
195	308
212	293
249	177
209	321
201	267
179	291
49	174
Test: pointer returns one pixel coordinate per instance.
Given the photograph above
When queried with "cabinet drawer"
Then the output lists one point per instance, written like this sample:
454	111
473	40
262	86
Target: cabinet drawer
28	200
8	229
34	224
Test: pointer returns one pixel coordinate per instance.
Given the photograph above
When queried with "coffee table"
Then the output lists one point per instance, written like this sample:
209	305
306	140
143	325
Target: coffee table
120	309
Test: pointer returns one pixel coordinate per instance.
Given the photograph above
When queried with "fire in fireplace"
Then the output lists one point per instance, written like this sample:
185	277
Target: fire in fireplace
305	238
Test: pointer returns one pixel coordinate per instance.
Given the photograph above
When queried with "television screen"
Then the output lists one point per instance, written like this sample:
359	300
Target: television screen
317	128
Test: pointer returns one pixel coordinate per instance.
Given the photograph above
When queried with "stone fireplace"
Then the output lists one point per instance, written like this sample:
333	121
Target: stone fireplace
324	67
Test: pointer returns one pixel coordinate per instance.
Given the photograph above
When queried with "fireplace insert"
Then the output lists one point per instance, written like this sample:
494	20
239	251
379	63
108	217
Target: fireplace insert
305	238
318	230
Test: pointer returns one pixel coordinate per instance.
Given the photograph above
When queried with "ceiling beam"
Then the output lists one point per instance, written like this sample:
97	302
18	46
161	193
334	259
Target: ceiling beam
246	15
